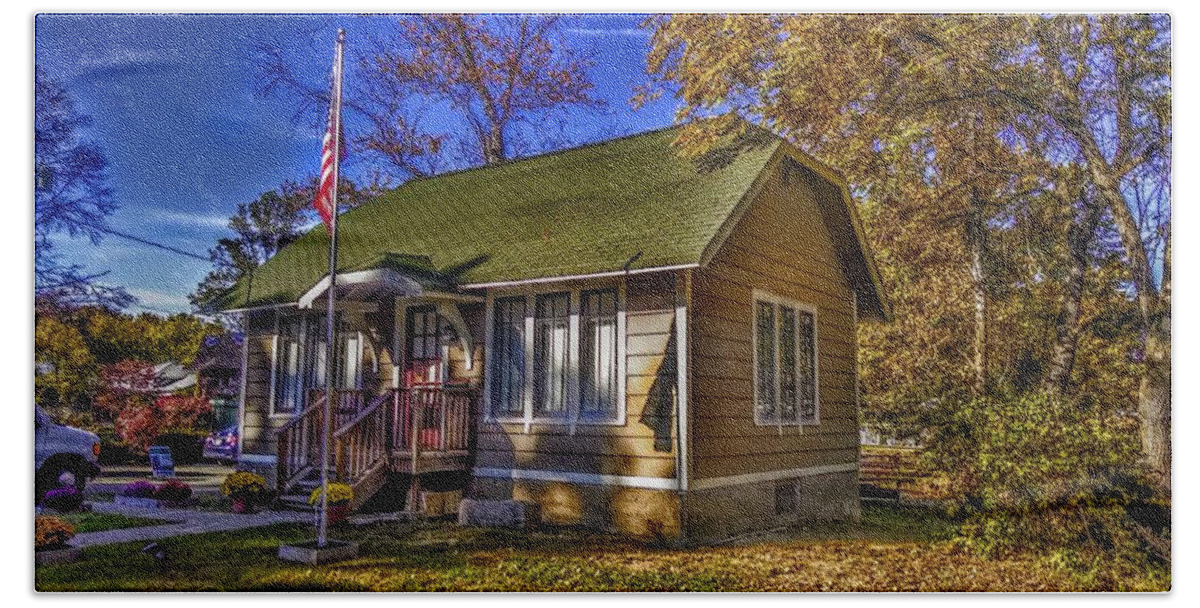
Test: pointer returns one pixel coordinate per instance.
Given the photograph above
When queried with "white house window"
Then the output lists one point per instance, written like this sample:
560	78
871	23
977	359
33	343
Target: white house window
598	355
785	362
288	372
299	361
508	358
572	341
551	356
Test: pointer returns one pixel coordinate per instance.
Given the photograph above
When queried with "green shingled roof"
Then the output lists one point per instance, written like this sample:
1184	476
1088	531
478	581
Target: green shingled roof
580	211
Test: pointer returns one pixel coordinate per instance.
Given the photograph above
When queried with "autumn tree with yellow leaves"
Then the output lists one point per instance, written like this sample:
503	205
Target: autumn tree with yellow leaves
1010	169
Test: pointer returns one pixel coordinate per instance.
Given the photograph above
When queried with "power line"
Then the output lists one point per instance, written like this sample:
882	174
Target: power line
143	241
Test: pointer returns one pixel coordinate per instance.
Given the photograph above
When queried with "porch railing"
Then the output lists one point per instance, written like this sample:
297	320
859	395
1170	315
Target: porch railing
364	434
299	444
347	403
437	419
360	446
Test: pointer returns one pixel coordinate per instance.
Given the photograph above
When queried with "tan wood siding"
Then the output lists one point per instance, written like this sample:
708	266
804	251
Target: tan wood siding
257	435
644	444
781	246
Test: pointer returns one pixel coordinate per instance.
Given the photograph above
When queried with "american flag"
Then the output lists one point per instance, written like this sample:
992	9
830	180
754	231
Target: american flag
326	196
324	199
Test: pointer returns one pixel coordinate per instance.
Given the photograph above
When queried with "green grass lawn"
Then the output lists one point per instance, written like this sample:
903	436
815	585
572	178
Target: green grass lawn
892	549
98	522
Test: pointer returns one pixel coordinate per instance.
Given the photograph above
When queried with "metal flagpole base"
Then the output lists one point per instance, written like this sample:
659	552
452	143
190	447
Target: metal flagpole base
309	552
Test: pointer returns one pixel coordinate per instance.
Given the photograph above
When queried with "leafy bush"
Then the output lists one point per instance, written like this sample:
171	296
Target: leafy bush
63	500
245	485
114	450
1030	449
139	489
1039	473
141	415
51	532
173	491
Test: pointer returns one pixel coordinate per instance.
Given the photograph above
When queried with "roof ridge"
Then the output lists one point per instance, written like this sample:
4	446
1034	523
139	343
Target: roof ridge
515	161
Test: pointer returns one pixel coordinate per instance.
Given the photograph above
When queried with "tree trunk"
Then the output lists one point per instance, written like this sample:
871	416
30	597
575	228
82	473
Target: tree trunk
1154	393
976	233
1062	359
1154	399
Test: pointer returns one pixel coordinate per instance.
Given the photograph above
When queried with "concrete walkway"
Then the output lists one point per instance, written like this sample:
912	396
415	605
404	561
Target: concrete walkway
186	521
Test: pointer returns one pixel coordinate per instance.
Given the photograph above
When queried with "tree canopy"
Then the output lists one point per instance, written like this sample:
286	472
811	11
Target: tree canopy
1039	145
494	82
71	196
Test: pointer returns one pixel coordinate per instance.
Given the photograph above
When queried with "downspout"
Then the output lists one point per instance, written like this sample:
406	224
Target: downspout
683	297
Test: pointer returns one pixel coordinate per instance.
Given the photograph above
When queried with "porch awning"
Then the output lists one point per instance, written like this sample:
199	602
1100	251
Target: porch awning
392	276
378	283
391	281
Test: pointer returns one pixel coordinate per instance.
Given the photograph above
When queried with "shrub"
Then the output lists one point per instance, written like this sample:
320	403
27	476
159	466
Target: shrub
114	450
339	494
141	415
51	533
173	491
1038	473
139	489
245	485
63	500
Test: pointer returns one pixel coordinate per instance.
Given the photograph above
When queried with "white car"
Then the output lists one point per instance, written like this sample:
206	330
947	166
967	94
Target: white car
63	456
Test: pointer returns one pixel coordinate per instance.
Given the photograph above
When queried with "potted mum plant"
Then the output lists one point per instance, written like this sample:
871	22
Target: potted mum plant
50	541
340	496
246	489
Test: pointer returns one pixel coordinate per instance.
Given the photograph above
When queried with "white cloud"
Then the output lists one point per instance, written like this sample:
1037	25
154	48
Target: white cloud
203	220
160	301
118	57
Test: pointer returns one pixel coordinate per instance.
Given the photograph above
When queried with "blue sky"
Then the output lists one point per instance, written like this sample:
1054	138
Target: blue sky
173	105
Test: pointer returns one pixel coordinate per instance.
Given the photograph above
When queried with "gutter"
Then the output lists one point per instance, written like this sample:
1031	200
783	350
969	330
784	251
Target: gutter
576	277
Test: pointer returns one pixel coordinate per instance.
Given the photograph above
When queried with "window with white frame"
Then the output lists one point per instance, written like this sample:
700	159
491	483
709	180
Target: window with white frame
551	357
299	360
288	370
785	362
572	343
598	355
508	358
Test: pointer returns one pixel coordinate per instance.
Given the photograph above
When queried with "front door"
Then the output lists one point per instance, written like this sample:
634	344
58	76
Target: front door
424	372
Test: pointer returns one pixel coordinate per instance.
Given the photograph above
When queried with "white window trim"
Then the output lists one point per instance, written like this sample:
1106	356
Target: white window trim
572	420
757	296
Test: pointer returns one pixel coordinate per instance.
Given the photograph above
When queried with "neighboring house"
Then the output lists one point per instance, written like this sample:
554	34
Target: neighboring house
218	370
627	338
171	377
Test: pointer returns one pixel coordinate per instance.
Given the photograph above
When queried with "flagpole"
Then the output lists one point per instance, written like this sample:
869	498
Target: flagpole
330	345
